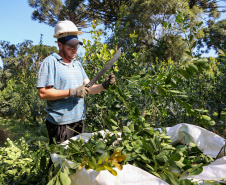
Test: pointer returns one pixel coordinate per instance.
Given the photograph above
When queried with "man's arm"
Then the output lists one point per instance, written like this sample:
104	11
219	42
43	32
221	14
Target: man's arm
95	88
49	93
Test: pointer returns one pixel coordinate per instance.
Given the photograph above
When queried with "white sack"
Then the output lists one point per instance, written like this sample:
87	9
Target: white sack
206	141
215	171
130	175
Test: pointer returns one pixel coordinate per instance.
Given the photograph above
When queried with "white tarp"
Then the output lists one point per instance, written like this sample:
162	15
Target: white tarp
210	143
130	175
215	171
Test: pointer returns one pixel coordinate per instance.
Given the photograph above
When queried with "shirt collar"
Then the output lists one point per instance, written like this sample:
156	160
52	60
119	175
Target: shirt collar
58	57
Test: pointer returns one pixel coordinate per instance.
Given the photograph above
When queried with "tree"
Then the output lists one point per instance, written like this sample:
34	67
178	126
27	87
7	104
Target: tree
140	19
151	26
108	11
13	58
50	12
215	36
80	12
7	52
209	6
19	75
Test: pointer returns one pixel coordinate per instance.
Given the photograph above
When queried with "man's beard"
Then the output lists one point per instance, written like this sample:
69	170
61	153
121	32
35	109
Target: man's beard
67	56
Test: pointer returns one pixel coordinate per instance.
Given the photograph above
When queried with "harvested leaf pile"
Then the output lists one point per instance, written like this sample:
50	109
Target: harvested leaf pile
148	149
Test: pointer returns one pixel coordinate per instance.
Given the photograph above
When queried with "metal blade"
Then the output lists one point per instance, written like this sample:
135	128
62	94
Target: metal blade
105	68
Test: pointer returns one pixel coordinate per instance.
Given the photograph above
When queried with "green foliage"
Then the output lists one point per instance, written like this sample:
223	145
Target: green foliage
97	154
149	94
155	29
78	11
146	19
109	12
214	36
133	108
209	7
25	155
19	94
165	93
22	165
16	130
96	56
146	148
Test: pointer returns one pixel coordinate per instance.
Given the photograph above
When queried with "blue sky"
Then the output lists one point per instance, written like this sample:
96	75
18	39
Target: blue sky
16	25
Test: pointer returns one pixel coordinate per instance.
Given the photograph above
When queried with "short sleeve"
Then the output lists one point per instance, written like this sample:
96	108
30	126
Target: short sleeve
45	75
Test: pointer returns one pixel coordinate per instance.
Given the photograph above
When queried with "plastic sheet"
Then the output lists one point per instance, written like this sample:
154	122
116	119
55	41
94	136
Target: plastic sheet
216	171
210	143
130	175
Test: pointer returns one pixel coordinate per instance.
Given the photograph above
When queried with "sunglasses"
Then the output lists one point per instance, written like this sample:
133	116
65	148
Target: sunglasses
72	47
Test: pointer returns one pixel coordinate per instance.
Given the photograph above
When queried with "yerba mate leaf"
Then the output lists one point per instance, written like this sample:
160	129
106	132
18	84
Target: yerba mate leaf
65	179
100	145
193	67
103	157
111	170
176	157
185	182
212	122
100	168
126	129
117	165
120	158
92	163
184	73
147	146
74	165
117	156
52	181
196	169
172	177
205	117
175	169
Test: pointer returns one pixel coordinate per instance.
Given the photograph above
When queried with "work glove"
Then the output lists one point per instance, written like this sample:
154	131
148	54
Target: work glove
109	80
79	92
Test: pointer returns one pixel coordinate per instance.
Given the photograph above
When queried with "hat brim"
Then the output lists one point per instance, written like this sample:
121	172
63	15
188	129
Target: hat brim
73	42
60	35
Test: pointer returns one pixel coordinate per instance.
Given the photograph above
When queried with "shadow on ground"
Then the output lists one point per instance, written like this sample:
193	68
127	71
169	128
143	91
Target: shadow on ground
3	136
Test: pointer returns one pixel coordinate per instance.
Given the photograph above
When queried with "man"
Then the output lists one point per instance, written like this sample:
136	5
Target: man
61	81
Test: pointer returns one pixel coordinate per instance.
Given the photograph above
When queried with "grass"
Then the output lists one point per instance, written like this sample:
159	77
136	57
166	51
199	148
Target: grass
16	130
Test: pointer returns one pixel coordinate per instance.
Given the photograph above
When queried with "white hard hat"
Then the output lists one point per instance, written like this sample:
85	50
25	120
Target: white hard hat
65	28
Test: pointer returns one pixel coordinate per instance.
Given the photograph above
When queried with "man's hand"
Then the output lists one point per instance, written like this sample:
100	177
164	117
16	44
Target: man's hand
109	80
79	92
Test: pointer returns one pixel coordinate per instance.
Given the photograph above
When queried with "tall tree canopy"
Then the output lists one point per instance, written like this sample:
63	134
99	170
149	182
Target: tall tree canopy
215	36
107	11
210	7
134	23
78	11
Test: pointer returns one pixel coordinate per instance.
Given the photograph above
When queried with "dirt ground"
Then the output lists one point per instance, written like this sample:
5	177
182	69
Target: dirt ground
3	136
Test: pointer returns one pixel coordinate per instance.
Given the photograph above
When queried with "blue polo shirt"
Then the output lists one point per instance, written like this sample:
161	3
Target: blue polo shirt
54	72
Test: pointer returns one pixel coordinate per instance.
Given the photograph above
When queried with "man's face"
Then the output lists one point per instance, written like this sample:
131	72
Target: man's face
68	52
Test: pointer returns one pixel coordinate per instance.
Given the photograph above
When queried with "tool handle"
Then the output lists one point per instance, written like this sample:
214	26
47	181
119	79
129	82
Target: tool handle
87	85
